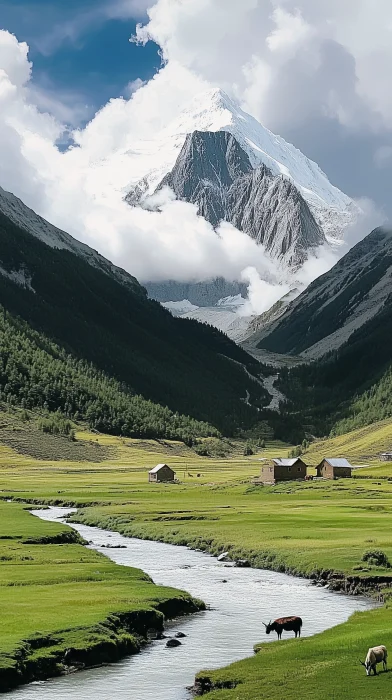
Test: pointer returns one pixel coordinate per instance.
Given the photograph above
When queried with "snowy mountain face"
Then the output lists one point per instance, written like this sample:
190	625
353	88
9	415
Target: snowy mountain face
214	111
207	293
207	166
337	305
29	221
216	155
224	315
214	172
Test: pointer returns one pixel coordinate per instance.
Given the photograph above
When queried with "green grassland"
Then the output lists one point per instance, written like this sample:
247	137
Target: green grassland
316	529
362	447
325	666
55	594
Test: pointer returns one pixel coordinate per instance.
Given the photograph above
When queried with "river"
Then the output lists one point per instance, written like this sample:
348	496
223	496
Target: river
217	637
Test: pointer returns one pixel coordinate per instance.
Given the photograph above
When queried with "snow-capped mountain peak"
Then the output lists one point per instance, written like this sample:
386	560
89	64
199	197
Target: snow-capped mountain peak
213	110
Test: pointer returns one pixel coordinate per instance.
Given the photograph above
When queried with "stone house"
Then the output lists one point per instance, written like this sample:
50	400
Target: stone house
283	470
161	473
336	468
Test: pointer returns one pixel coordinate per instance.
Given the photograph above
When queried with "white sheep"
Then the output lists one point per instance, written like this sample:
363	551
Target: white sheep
374	656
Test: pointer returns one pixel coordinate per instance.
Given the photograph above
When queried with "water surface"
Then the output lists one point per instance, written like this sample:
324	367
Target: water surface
216	637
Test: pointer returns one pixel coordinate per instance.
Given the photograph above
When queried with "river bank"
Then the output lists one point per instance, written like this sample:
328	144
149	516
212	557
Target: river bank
334	580
65	607
321	530
226	632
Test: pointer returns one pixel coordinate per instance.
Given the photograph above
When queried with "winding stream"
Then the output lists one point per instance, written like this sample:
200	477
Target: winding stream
217	637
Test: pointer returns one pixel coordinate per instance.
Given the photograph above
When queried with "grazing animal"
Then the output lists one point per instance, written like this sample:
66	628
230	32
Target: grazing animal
374	656
287	624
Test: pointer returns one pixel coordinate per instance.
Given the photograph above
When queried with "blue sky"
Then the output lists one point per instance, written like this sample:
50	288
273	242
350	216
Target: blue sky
80	49
339	114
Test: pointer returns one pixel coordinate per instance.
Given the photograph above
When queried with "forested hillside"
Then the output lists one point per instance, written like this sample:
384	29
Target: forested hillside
343	322
350	387
35	373
137	344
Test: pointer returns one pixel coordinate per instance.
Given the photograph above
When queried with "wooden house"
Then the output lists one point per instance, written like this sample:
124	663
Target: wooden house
337	468
386	457
161	473
283	470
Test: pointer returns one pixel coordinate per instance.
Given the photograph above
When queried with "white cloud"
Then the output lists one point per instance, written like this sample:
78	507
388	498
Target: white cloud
132	86
336	56
14	64
287	61
289	34
82	190
262	293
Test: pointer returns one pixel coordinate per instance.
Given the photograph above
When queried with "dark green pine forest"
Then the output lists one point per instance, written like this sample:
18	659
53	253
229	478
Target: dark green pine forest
349	388
83	343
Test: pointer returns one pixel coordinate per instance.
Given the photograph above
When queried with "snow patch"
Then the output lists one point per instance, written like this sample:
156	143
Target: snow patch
226	319
233	302
224	315
179	308
21	277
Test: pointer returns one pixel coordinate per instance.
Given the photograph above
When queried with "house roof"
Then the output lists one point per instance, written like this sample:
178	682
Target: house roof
285	462
158	468
338	462
386	454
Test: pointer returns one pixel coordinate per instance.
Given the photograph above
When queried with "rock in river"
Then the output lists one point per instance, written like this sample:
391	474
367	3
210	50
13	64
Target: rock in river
173	643
223	556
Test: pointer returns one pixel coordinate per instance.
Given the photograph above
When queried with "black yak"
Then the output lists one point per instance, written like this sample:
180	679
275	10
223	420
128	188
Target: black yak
287	624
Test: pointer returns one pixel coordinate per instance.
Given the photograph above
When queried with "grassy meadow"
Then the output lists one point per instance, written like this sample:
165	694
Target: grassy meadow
325	666
55	594
312	528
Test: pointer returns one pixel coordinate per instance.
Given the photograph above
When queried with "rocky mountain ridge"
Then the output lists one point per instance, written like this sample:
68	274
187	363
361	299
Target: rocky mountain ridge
24	217
214	172
214	111
336	306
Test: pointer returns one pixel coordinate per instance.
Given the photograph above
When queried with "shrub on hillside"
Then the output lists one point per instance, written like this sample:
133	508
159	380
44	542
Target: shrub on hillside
212	447
376	557
56	424
296	451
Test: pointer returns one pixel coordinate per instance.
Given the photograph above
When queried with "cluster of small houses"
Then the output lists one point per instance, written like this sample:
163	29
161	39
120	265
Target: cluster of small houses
295	469
276	470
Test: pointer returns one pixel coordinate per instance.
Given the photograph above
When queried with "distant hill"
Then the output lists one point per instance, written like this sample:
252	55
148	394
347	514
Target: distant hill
343	320
75	304
333	309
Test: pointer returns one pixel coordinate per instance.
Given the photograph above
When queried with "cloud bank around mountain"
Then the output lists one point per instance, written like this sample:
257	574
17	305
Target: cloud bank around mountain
316	69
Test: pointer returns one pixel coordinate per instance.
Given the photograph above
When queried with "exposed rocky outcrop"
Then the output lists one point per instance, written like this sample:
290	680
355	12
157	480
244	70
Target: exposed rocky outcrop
206	293
214	172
